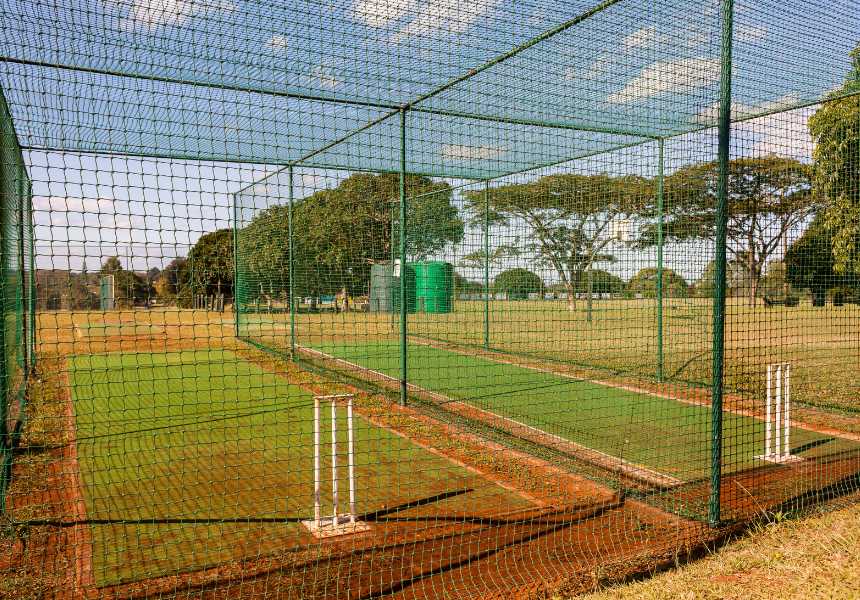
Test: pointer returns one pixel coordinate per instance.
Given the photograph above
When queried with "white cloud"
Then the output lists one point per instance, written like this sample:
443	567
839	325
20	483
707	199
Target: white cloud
749	33
64	204
152	13
444	16
598	69
741	110
679	76
381	13
646	37
784	134
278	42
466	152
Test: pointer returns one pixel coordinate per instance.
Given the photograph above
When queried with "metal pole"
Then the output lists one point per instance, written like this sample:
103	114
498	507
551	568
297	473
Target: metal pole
660	260
21	270
777	448
767	415
291	269
720	263
236	263
334	521
403	276
487	264
32	279
787	400
317	452
350	440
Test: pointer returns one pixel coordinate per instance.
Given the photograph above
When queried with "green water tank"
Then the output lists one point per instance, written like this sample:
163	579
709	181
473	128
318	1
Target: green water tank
409	273
434	286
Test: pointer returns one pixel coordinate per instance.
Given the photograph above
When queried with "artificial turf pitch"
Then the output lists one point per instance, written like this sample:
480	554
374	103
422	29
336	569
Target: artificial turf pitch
192	459
660	433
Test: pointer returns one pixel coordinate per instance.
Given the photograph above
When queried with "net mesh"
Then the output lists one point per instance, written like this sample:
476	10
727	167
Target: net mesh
416	299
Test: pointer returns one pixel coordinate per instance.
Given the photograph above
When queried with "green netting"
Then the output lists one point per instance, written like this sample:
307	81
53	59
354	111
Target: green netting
16	235
417	298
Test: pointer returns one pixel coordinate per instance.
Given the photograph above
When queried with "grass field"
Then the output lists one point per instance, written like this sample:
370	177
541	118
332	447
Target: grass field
663	434
622	336
196	458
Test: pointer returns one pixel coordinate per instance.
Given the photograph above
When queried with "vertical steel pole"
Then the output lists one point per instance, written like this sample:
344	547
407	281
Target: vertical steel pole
334	498
32	278
660	260
487	264
720	260
291	268
403	275
25	334
317	452
236	310
350	440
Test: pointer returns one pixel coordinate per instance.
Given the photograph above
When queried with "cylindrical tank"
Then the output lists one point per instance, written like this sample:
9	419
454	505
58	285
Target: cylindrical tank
409	273
382	288
434	286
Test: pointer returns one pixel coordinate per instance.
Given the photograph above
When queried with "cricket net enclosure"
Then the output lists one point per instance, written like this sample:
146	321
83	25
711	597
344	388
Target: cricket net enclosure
417	298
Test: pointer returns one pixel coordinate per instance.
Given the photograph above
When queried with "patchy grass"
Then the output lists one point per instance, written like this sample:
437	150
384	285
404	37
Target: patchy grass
196	458
814	557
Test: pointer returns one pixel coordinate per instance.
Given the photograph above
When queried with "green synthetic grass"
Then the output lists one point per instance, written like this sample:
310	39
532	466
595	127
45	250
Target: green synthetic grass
660	433
206	435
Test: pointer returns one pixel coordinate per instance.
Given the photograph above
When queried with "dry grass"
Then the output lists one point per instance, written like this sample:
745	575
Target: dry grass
815	557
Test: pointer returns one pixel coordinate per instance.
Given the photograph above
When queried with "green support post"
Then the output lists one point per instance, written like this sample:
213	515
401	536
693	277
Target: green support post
487	264
660	260
290	269
720	260
403	277
32	291
23	304
236	310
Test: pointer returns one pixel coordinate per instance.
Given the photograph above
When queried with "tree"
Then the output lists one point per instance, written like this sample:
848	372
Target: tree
737	279
767	198
645	283
518	283
835	130
569	216
170	282
210	263
130	288
465	286
604	282
339	233
810	262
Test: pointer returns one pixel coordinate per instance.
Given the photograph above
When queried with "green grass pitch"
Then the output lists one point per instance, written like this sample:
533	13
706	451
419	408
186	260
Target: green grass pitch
195	458
663	434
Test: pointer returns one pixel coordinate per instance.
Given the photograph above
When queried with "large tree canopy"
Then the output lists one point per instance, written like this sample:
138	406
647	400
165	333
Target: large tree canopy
518	283
568	217
768	197
835	129
339	233
645	283
129	287
210	263
810	263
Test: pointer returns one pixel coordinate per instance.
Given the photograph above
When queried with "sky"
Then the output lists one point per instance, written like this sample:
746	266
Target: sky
641	67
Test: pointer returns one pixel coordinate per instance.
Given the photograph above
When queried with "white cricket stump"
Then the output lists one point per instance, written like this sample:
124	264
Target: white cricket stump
337	523
777	424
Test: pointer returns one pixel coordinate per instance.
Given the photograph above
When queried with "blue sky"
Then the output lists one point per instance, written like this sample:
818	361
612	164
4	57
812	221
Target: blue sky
640	66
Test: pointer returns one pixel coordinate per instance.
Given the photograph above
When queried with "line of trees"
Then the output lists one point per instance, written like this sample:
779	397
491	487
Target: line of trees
565	223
